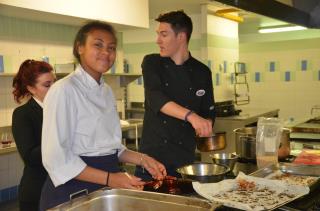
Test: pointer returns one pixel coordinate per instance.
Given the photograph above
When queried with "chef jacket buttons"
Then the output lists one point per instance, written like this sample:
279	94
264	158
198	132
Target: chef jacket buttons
164	122
190	88
165	141
166	66
180	142
166	84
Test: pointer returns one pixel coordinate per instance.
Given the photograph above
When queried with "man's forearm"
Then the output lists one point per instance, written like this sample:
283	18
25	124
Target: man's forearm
203	127
174	110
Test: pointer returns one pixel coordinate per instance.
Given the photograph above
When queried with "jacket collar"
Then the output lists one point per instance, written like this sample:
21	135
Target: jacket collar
87	79
170	62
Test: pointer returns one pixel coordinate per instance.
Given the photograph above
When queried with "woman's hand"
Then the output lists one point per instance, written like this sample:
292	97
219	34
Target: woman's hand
125	180
155	168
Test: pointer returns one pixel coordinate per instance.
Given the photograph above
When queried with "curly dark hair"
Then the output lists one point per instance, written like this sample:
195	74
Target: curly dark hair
27	75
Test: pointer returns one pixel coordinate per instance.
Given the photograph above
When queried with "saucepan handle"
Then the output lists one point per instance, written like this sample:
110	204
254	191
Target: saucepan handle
78	193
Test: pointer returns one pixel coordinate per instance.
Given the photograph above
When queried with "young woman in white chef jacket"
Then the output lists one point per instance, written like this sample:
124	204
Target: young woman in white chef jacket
81	132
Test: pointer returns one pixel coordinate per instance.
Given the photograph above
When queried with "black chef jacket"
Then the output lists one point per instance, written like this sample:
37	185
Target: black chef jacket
168	139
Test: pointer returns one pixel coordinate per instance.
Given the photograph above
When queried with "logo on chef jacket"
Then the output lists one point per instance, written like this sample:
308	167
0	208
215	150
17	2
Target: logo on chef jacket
200	92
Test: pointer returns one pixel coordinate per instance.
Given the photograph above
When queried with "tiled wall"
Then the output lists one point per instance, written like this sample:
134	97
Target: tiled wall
138	43
283	68
24	39
19	40
7	103
283	71
11	168
222	46
214	41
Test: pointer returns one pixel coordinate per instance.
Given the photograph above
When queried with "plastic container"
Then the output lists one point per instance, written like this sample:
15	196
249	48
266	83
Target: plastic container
267	141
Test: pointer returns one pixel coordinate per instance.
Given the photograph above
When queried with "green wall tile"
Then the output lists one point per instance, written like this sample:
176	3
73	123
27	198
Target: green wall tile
316	75
152	47
27	30
7	62
147	47
195	44
120	40
279	46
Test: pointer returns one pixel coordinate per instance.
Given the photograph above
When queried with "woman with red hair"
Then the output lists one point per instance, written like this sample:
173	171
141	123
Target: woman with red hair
30	84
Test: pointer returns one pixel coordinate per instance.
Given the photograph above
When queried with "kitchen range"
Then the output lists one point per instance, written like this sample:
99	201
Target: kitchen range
180	194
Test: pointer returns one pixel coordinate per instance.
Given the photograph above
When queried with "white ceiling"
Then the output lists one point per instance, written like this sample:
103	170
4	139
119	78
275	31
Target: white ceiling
156	7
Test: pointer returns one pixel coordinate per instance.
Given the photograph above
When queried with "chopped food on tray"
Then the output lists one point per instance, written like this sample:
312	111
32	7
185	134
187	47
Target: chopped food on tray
293	179
250	193
258	197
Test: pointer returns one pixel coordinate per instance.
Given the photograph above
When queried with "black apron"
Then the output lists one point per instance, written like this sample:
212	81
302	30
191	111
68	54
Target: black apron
52	196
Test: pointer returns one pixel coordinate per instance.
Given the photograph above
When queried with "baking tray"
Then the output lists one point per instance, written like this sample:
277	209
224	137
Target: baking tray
295	169
132	200
271	192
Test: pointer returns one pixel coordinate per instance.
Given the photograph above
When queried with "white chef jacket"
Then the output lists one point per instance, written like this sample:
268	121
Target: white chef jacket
79	119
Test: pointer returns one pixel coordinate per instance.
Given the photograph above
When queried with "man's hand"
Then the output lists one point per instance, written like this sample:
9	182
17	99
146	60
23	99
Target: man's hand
203	127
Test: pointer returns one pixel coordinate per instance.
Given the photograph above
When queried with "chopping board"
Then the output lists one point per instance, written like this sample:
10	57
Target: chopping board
308	157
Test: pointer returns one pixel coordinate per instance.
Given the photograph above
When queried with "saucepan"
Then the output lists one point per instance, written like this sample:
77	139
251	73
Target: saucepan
246	142
215	142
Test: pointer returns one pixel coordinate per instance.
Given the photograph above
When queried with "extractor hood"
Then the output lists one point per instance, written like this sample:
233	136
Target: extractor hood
300	12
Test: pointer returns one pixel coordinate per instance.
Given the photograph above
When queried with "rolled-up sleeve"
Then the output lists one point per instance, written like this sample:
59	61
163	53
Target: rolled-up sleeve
58	121
154	94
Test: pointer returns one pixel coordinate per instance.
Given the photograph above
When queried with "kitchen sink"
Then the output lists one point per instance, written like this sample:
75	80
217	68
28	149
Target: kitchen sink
131	200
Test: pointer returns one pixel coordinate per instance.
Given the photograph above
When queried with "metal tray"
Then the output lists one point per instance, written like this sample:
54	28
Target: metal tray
131	200
295	169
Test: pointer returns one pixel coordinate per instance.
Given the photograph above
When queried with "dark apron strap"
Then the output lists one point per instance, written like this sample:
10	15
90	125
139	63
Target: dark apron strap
52	196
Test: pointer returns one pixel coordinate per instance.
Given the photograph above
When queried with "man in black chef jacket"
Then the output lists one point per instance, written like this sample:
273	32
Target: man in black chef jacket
179	102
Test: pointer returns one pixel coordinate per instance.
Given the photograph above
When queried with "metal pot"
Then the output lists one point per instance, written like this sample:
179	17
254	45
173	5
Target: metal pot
215	142
246	142
284	149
